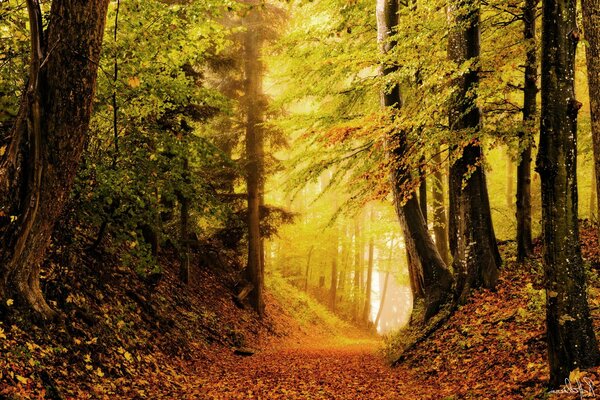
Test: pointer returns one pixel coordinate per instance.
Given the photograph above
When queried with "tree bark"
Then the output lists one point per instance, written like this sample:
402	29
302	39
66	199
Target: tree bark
570	334
523	205
45	146
472	239
440	222
433	275
254	152
591	26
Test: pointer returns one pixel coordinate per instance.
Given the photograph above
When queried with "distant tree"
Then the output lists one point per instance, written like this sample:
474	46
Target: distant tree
570	333
472	239
40	159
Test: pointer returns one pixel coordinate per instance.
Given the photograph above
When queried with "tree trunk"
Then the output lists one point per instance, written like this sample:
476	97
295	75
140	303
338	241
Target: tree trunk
510	178
571	340
433	275
524	236
423	192
254	153
334	272
357	268
307	276
440	222
368	286
472	239
385	285
184	266
382	302
591	26
45	146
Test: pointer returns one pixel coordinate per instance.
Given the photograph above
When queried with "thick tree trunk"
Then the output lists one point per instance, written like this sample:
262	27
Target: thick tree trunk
571	340
472	239
41	159
433	275
254	153
591	26
523	205
440	222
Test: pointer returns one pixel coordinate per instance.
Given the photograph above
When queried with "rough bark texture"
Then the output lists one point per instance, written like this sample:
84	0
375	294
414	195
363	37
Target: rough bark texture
523	204
571	340
440	222
472	239
431	272
254	153
591	26
41	158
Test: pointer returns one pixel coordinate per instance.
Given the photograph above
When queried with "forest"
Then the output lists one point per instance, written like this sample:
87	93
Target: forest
299	199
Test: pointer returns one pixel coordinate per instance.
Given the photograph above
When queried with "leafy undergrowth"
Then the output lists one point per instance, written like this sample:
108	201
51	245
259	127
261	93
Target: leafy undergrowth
311	317
495	345
127	337
131	338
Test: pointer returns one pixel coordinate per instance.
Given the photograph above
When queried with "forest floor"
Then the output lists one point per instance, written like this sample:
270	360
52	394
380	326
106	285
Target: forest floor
126	338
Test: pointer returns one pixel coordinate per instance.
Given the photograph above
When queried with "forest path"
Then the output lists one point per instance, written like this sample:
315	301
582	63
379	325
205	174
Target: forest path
321	368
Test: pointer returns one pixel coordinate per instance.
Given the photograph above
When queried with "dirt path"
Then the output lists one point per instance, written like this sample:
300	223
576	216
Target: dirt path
342	369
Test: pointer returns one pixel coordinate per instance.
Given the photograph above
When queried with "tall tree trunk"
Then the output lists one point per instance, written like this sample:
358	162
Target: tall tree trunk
472	239
434	276
45	146
423	192
254	152
571	340
591	26
440	222
385	285
184	266
307	275
510	178
357	267
368	286
524	236
334	272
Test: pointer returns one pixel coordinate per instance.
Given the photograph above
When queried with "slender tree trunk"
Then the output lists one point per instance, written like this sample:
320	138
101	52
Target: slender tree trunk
334	272
382	302
440	222
591	26
184	266
307	275
357	268
571	339
423	192
510	178
368	286
385	285
254	152
523	206
42	155
436	278
472	239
